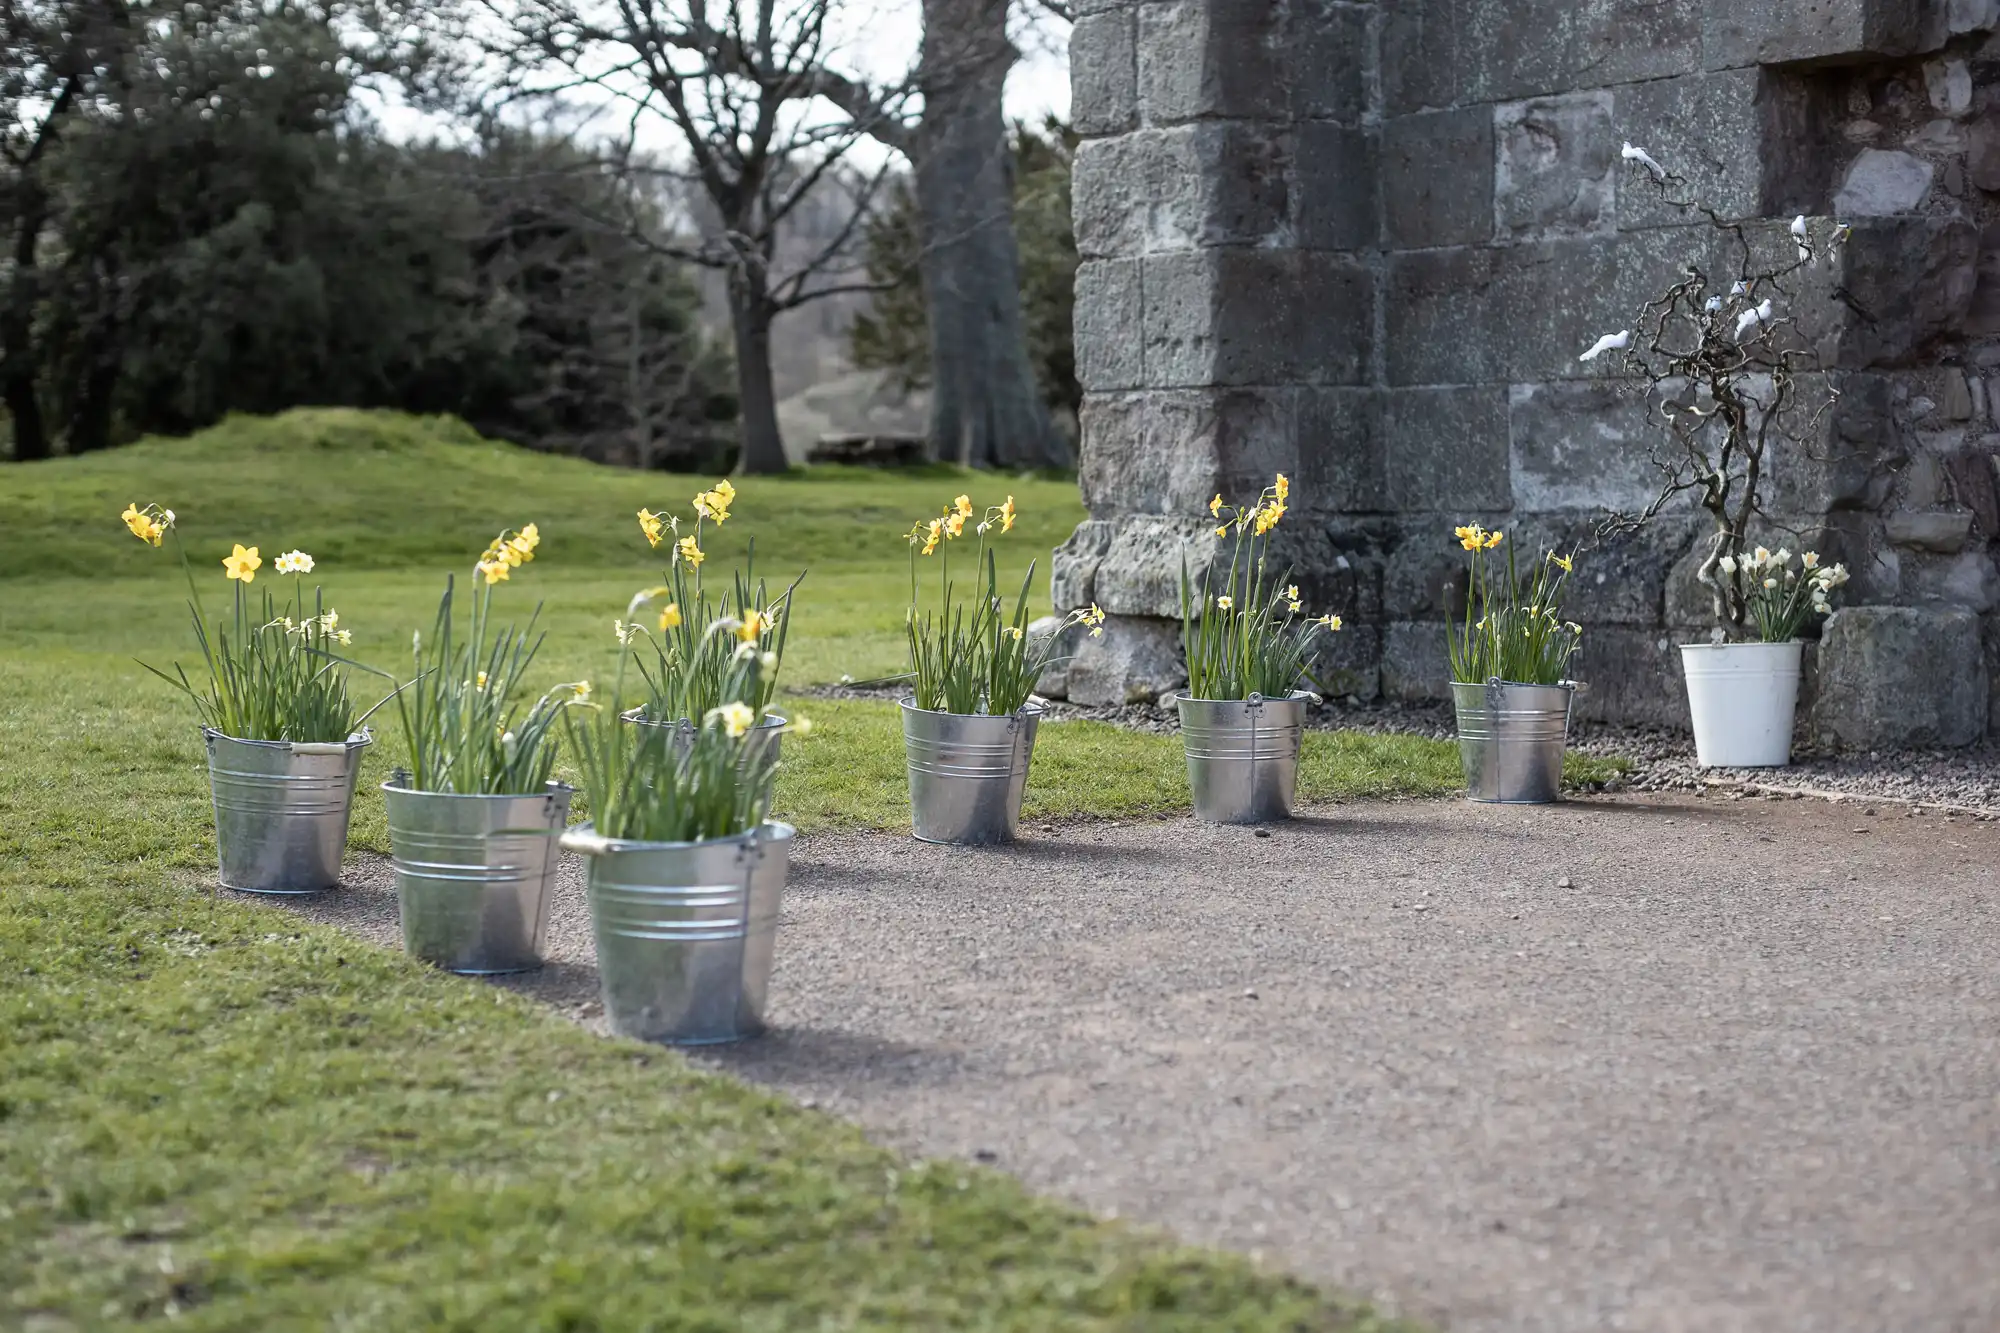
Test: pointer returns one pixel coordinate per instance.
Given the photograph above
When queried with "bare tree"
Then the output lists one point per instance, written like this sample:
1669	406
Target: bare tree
750	87
1730	376
986	409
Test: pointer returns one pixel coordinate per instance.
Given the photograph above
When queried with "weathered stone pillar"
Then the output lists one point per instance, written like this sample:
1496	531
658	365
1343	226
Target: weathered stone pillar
1225	201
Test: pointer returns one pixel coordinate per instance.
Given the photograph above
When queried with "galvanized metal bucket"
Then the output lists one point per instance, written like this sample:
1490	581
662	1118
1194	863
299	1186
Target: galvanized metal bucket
686	931
1511	739
968	772
281	810
1243	755
473	874
761	740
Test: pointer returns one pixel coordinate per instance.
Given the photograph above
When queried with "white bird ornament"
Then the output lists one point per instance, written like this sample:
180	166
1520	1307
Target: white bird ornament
1610	342
1751	318
1799	235
1644	159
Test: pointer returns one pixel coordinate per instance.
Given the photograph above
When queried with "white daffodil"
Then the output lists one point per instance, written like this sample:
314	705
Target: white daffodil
1728	564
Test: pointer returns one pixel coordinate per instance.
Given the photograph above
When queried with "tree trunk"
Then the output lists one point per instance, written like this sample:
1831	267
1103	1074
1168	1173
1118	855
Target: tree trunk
17	352
986	409
750	316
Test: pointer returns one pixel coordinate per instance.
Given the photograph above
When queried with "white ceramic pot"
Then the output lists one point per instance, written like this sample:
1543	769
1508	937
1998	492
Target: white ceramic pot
1743	697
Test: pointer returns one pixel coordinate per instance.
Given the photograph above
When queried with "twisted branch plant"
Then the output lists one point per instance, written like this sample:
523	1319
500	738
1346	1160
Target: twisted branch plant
972	655
271	673
1733	376
1249	637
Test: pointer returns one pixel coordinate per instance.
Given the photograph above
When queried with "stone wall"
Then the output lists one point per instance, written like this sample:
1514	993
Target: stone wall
1363	244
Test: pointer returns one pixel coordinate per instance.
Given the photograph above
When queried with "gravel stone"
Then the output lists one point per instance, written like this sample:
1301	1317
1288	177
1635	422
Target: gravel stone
1739	1078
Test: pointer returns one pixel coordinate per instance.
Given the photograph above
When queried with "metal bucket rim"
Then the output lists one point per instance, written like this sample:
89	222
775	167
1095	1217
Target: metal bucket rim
771	830
1029	709
1571	685
355	740
1295	696
1758	643
554	787
637	717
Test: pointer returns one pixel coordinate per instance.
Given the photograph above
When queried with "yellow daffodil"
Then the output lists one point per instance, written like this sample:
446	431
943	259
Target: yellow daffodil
242	563
1564	561
1093	617
670	616
1268	516
736	718
293	562
1013	632
954	524
1007	515
652	525
1331	622
1282	487
581	689
1295	607
962	506
1493	539
1292	592
345	636
496	571
933	532
1215	506
1471	536
1225	601
690	552
753	625
136	521
480	682
1222	531
529	537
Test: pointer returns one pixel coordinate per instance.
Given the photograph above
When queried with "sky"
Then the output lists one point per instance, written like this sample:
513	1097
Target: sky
879	40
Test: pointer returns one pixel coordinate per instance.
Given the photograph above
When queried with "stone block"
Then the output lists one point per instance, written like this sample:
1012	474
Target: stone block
1445	449
1722	132
1329	47
1838	462
1777	32
1109	321
1212	58
1555	165
1232	316
1982	158
1437	179
1416	662
1340	450
1944	531
1104	73
1181	189
1140	575
1134	661
1073	567
1517	313
1967	579
1581	444
1630	675
1901	675
1421	70
1424	576
1169	451
1334	188
1963	16
1347	663
1619	579
1883	182
1897	285
1527	48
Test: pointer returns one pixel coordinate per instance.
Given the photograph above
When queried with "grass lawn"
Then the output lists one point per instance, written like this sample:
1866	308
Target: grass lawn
211	1110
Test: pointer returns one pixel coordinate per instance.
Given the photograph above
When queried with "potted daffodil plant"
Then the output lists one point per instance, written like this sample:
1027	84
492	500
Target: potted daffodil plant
474	818
284	736
694	638
1249	646
685	867
970	719
1509	672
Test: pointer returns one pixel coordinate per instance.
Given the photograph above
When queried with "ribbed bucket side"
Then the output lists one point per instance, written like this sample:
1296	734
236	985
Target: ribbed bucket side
474	875
281	811
968	773
1511	740
1243	756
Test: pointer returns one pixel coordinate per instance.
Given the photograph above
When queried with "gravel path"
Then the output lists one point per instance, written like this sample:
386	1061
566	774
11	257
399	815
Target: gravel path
1651	1063
1965	780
